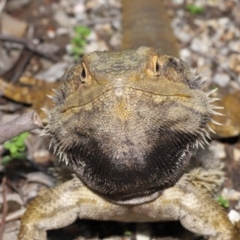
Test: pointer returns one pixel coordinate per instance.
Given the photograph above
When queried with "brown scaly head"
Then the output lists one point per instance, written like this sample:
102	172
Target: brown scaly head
127	122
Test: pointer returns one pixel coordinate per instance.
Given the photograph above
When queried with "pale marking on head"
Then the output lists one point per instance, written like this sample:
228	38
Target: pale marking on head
118	87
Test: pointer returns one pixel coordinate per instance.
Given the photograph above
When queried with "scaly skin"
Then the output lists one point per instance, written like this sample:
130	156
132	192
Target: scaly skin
127	123
33	92
192	207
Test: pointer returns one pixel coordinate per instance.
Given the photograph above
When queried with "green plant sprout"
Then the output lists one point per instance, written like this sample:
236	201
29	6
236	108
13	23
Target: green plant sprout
127	233
194	9
78	41
222	201
16	147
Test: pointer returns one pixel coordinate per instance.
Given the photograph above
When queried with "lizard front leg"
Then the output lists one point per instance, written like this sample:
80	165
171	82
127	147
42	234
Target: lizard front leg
60	206
54	208
197	211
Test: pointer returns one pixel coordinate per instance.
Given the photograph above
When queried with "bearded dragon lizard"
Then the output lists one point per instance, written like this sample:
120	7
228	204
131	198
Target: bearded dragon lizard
128	123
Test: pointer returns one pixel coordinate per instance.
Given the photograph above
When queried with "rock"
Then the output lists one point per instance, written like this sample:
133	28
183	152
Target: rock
115	40
12	26
221	79
79	8
54	72
14	5
223	21
47	48
142	231
230	194
6	61
234	216
234	63
178	2
62	19
184	37
236	154
234	46
185	54
218	149
62	31
96	46
200	44
10	230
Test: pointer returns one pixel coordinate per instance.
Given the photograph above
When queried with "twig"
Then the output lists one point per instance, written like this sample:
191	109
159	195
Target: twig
28	43
5	206
13	216
15	72
15	188
2	5
23	123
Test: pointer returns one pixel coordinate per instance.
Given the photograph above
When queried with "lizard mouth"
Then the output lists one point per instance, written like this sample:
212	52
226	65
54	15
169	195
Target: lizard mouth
138	200
121	92
180	95
119	88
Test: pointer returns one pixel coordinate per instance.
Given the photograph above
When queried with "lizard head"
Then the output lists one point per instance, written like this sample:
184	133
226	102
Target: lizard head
127	122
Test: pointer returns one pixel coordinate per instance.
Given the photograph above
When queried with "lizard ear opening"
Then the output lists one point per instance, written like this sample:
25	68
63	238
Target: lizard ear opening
157	68
83	75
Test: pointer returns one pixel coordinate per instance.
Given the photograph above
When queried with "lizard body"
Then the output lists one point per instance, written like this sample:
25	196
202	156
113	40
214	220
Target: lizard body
128	123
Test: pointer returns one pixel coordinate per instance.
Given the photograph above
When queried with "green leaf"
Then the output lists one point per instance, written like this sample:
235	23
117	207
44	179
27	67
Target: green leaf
6	159
19	155
21	148
7	145
194	9
16	147
222	201
82	30
127	233
76	58
13	149
24	135
78	41
19	143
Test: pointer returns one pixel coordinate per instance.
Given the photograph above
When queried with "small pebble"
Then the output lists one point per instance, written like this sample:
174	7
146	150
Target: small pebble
234	63
234	216
221	79
218	149
230	194
236	154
